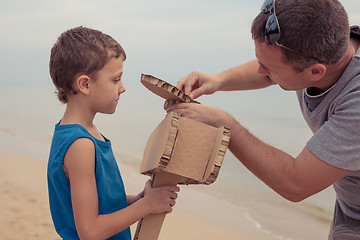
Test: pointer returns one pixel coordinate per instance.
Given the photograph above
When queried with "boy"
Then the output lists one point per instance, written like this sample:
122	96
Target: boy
86	191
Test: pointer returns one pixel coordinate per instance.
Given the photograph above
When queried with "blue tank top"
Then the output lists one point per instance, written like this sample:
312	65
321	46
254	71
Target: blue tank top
110	187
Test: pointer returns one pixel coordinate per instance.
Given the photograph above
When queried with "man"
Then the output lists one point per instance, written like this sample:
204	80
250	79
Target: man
302	46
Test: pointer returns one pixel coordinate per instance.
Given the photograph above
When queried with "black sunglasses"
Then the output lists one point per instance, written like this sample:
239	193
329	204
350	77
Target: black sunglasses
272	31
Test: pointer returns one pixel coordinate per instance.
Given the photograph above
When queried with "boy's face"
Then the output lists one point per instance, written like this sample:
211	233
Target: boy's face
107	87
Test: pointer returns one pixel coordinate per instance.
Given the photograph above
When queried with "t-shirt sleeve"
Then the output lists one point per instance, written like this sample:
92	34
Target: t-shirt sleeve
337	142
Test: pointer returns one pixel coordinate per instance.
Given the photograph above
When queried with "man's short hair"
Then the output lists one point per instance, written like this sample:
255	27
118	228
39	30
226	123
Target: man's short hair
317	28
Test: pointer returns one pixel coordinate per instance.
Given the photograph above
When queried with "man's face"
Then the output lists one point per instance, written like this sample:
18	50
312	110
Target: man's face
271	64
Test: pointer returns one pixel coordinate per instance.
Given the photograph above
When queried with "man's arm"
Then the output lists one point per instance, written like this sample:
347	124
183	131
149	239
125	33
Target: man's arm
293	178
243	77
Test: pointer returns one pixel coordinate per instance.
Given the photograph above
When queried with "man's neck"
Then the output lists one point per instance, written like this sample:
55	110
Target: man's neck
355	43
335	71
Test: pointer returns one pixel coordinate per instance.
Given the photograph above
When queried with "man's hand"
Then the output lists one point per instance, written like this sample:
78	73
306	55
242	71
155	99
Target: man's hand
202	113
197	83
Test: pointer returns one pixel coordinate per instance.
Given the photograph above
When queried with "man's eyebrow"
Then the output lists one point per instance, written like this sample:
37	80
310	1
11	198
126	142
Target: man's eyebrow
263	66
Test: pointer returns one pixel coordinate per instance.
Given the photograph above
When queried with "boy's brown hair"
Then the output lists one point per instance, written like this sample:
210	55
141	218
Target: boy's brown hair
80	51
316	28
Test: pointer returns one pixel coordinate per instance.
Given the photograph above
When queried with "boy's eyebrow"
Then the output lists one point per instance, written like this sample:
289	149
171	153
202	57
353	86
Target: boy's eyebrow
119	75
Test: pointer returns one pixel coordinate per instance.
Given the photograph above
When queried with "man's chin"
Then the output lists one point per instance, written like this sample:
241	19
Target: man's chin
286	88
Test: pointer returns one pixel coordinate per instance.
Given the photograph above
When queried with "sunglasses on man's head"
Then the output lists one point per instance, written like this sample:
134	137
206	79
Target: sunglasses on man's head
271	31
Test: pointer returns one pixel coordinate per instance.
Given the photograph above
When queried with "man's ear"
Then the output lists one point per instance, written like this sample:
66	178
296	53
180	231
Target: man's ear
317	71
82	84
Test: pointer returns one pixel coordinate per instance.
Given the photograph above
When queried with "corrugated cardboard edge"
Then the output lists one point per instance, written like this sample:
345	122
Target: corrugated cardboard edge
216	159
214	163
218	154
172	119
165	90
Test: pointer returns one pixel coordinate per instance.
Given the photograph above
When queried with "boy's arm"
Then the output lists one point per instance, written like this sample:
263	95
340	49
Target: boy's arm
79	164
133	198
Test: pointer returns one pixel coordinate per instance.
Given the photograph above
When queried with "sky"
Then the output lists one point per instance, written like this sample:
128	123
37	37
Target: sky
165	38
158	36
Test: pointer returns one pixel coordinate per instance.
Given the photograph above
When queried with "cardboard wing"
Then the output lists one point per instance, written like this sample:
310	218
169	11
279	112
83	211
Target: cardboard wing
179	151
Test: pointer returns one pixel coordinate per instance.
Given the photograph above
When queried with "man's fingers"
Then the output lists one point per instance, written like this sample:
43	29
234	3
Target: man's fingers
189	83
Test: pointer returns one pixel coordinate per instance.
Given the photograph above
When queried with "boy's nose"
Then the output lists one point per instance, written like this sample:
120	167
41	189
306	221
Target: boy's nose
122	88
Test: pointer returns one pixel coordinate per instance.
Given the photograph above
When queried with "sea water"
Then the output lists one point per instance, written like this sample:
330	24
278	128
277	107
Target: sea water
28	113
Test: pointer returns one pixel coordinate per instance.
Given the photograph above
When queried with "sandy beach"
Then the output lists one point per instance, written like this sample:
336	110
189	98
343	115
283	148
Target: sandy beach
24	204
197	215
26	215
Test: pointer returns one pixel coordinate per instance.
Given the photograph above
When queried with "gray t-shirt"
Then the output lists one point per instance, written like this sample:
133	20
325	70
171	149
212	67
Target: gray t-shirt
335	122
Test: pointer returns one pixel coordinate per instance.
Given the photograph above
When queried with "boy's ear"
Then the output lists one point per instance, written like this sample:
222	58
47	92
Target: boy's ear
82	83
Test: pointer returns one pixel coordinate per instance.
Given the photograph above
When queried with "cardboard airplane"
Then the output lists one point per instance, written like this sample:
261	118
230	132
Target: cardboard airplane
179	151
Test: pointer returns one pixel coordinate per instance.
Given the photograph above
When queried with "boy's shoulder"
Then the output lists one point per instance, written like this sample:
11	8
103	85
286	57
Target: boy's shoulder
65	135
70	130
